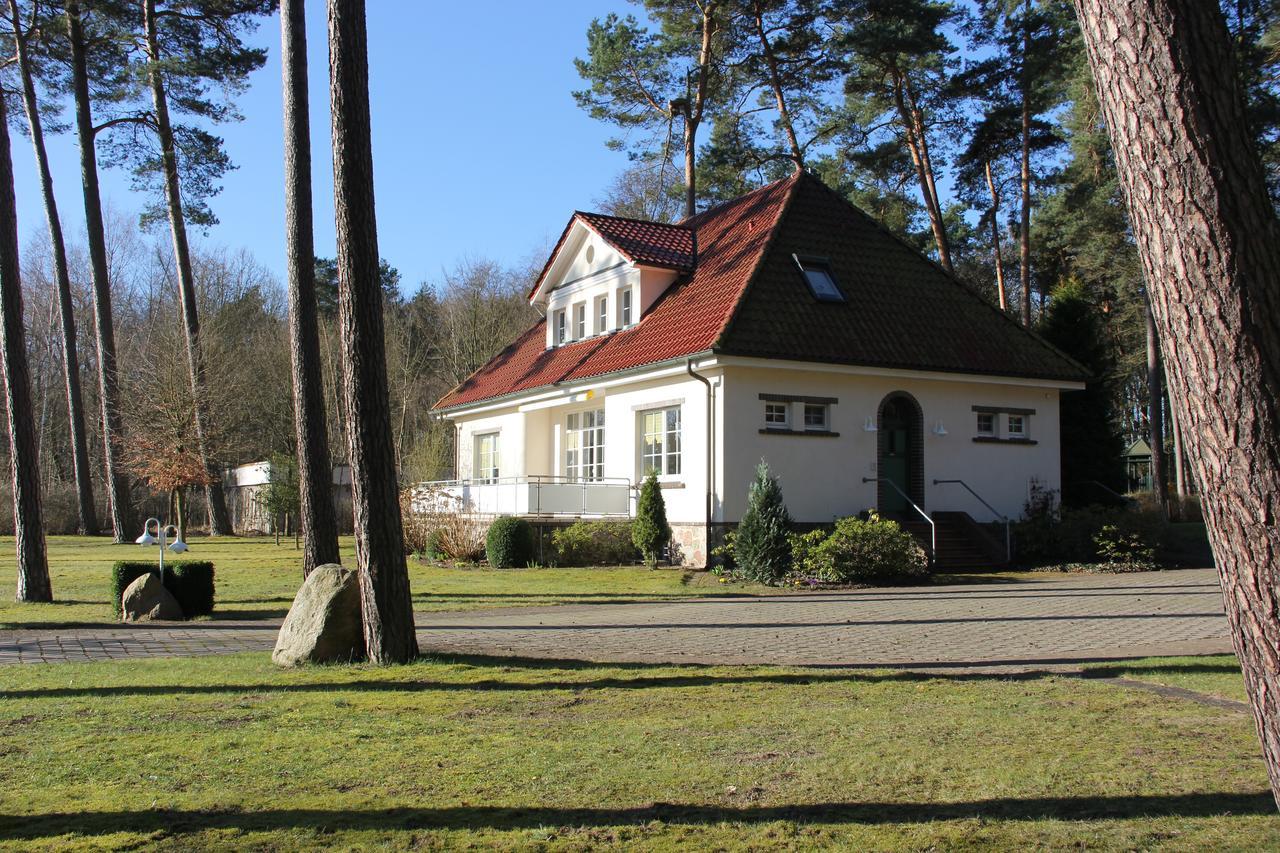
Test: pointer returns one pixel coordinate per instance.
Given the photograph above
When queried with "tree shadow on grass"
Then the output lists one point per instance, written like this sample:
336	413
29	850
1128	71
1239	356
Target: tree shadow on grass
178	822
640	676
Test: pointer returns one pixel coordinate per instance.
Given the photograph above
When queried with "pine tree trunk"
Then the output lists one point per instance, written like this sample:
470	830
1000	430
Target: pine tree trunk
775	82
219	523
24	460
995	238
1024	238
118	499
315	473
70	358
1209	241
1155	414
386	604
913	133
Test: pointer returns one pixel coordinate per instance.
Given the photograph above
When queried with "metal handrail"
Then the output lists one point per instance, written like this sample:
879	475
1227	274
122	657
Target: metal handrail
933	528
1125	498
1008	538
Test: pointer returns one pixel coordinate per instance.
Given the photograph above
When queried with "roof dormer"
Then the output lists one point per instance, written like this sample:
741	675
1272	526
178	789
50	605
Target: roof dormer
606	272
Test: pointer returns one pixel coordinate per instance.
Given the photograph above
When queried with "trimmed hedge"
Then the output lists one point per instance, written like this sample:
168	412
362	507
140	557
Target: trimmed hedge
509	544
190	583
594	543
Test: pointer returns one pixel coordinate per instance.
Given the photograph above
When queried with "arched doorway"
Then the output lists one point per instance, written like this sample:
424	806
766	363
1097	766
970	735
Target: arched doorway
900	452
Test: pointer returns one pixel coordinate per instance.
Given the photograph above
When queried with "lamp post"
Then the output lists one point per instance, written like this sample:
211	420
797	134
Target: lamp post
161	538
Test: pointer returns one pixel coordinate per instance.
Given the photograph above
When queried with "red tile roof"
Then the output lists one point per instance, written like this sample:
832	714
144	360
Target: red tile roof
745	296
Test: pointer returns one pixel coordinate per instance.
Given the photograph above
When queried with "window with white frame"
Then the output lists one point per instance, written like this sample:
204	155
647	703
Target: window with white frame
487	463
987	424
624	307
660	442
1016	426
777	415
562	326
579	321
602	314
816	417
584	445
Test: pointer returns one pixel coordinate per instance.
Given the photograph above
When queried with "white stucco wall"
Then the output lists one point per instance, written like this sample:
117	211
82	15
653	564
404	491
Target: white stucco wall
821	477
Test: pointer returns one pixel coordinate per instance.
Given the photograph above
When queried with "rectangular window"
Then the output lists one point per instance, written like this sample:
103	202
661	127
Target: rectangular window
584	445
660	441
602	315
776	415
986	423
817	274
815	417
579	321
486	458
624	308
1017	426
562	327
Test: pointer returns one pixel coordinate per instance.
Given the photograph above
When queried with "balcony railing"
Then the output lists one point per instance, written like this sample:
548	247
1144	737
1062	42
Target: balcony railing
533	496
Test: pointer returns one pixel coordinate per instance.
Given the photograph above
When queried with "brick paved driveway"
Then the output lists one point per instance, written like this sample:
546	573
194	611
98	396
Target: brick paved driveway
1057	620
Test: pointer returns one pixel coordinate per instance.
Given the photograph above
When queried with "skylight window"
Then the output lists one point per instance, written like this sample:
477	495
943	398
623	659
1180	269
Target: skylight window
817	273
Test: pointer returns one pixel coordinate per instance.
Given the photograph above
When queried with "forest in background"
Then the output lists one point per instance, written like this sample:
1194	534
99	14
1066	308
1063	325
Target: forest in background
969	128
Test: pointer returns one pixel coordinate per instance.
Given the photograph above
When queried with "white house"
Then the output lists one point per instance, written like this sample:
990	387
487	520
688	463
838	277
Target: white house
784	325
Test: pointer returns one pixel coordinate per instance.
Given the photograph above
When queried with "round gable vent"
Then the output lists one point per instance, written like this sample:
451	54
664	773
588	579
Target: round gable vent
591	253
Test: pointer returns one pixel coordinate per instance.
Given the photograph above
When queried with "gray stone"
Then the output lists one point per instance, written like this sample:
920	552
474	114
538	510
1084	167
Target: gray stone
146	599
324	624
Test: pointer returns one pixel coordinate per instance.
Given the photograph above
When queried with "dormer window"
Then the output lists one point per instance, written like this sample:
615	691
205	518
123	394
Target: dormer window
624	307
817	274
602	315
579	321
562	326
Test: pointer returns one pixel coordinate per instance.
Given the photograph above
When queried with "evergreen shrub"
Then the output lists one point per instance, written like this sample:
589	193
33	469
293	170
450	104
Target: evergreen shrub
650	532
869	551
190	583
763	548
509	543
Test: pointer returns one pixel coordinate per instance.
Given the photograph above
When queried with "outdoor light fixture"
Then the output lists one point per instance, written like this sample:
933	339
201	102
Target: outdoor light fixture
161	538
870	425
939	429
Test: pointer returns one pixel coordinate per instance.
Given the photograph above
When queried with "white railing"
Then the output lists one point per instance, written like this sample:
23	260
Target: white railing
534	495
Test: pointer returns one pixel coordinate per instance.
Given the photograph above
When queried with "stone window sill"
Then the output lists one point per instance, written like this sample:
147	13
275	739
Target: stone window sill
991	439
814	433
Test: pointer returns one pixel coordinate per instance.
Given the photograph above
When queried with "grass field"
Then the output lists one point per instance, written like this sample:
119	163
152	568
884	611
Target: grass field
233	753
257	579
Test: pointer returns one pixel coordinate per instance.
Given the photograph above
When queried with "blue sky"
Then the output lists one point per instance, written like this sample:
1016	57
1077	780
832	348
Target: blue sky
479	149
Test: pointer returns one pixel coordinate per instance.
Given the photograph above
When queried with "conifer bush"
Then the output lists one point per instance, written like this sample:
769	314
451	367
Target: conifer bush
510	543
650	531
763	548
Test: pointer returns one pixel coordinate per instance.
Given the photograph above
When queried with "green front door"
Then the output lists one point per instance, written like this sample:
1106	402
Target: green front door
893	467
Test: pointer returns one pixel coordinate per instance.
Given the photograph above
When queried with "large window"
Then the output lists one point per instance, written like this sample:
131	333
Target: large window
487	458
660	441
584	445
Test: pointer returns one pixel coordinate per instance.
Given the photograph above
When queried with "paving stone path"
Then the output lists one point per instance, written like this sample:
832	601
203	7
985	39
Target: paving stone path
1057	621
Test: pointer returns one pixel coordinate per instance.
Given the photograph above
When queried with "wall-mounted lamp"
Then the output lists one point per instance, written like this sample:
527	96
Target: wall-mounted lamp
939	429
870	425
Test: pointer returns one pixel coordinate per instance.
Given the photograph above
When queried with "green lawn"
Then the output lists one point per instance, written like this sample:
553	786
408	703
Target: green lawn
1217	675
258	579
233	753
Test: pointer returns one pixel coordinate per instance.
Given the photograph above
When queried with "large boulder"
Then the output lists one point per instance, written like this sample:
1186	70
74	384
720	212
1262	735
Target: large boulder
324	624
146	599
